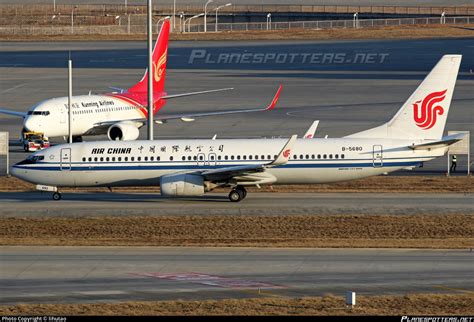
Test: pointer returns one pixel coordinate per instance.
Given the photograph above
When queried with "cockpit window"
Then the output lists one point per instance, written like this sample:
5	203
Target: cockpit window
44	113
32	159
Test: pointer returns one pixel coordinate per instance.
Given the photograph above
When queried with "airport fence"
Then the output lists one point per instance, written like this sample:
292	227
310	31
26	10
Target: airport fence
127	28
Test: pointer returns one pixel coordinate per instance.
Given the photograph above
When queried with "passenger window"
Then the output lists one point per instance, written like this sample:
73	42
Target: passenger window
330	156
139	158
301	156
337	156
152	158
132	158
295	157
90	159
250	157
342	156
238	157
219	157
171	158
107	159
189	158
307	156
119	159
183	158
201	158
244	157
146	158
126	158
263	157
325	156
226	157
212	157
312	156
319	156
232	157
83	159
113	159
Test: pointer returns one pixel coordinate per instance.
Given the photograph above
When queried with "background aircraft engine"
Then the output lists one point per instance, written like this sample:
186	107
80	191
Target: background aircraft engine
176	185
123	131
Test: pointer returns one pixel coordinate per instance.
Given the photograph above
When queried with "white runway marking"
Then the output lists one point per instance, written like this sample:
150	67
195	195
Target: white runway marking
12	88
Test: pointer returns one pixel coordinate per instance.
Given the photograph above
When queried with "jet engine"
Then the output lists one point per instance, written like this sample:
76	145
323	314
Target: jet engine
123	131
177	185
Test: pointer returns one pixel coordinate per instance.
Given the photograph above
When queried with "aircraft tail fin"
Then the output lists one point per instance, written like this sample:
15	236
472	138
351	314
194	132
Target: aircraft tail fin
424	114
160	53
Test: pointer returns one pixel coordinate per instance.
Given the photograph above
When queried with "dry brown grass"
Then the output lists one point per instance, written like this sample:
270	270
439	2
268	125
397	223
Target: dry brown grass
415	304
408	184
388	231
389	32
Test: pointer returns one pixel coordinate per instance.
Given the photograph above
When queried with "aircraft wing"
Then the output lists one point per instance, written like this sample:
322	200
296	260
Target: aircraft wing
188	117
167	97
14	113
251	169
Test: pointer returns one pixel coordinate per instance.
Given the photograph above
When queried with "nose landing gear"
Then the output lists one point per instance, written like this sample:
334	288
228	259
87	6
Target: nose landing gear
237	194
56	196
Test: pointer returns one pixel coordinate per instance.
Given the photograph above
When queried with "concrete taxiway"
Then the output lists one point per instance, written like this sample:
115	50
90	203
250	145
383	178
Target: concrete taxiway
363	91
108	274
122	204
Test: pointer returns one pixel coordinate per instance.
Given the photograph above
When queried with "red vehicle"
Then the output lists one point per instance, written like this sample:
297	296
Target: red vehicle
34	141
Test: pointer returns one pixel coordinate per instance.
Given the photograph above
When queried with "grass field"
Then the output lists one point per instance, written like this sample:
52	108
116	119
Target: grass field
389	32
415	304
386	231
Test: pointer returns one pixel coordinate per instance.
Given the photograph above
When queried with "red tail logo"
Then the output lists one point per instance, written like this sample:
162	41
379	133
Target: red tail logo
425	115
286	153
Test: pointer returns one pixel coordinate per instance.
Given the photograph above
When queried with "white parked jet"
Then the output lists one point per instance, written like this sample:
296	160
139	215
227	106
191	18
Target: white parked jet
120	114
193	167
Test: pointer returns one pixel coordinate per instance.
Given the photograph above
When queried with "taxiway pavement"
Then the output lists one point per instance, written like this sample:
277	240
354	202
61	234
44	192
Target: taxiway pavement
152	204
113	274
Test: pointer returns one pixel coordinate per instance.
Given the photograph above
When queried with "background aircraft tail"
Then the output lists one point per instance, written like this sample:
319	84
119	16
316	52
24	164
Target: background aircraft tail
160	53
424	114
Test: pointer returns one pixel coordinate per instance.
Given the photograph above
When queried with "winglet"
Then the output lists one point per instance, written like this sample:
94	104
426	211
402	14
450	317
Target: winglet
312	129
272	105
285	153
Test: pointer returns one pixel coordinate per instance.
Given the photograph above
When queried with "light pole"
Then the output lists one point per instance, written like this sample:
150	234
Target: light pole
189	19
443	17
217	9
158	23
269	21
356	20
181	16
205	14
54	5
72	19
174	15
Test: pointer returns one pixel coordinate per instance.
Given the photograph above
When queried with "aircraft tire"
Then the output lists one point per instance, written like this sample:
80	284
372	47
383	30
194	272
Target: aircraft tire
56	196
242	190
236	195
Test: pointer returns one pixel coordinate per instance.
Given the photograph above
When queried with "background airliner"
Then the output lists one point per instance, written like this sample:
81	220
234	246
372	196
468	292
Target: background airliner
193	167
118	114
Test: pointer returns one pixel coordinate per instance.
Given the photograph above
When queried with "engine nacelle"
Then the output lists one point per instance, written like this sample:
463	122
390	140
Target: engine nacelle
176	185
123	131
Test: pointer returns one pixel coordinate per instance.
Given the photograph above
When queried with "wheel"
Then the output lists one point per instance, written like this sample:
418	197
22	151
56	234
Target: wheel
236	195
56	196
242	190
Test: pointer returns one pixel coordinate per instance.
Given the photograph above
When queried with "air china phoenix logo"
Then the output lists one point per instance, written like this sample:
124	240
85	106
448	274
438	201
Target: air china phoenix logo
159	67
286	153
425	115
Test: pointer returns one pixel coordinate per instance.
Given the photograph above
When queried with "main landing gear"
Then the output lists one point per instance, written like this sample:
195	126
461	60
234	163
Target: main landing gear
237	194
56	196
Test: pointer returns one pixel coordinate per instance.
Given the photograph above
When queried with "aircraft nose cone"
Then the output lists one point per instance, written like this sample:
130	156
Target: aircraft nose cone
28	125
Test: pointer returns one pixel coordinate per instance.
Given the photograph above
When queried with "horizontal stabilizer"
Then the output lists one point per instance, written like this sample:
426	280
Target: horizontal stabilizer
444	142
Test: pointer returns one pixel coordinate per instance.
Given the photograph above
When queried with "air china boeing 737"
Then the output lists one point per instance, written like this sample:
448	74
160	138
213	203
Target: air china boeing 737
193	167
119	115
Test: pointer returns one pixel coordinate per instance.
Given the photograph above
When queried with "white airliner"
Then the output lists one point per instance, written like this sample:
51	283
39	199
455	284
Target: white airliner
118	114
193	167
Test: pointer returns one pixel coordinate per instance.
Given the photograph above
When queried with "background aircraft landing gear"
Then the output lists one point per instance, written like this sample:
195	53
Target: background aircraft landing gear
237	194
56	196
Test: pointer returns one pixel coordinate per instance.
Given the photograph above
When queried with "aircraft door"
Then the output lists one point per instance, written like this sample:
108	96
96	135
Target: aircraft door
377	156
65	159
201	159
